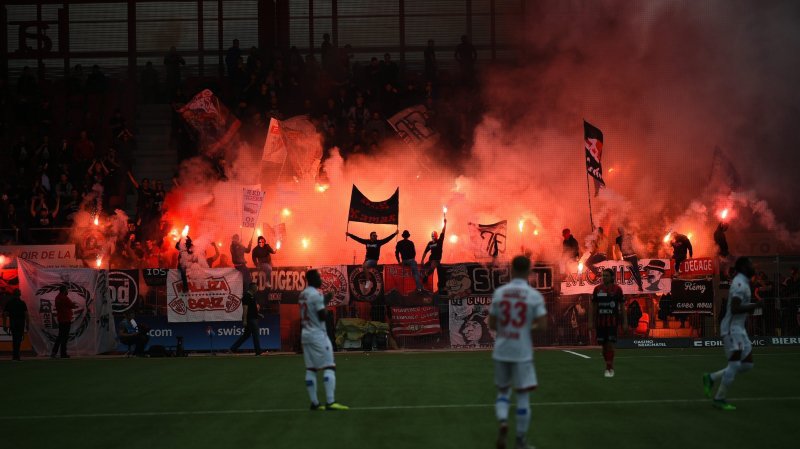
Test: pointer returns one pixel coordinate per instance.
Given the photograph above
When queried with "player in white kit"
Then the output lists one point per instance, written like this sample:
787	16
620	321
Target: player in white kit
738	348
516	309
317	347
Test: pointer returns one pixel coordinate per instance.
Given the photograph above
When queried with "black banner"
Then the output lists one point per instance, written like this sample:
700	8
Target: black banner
466	279
155	277
692	296
287	283
633	343
363	210
593	146
365	285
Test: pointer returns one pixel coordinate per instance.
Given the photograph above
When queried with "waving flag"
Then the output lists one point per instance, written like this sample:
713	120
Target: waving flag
593	144
216	127
488	241
412	124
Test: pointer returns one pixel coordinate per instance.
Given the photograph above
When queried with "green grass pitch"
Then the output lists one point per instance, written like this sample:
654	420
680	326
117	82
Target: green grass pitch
398	400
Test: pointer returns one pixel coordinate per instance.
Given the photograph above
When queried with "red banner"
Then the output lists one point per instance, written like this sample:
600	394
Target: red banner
702	266
415	321
400	278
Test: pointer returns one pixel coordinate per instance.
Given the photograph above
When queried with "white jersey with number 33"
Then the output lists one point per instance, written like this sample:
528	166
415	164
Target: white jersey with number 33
515	306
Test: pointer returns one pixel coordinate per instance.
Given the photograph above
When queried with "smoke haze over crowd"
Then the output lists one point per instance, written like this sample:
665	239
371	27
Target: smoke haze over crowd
666	82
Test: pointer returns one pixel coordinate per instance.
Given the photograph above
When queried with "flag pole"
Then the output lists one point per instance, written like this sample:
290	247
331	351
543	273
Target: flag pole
589	194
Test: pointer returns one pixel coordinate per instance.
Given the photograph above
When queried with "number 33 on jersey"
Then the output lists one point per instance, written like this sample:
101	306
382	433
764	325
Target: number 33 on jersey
515	306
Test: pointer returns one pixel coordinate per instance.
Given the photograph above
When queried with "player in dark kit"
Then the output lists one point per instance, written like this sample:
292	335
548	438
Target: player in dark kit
605	316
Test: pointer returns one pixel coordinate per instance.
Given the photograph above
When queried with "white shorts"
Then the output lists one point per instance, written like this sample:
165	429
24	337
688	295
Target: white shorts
318	353
737	342
522	374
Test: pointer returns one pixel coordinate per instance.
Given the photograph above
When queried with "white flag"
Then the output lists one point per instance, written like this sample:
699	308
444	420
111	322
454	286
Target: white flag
411	124
488	241
274	146
252	200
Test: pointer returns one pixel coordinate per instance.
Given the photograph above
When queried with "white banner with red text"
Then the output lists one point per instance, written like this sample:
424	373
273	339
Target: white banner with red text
210	294
415	321
252	199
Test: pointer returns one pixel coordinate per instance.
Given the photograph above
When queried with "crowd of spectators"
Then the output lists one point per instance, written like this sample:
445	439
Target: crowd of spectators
66	143
70	146
348	100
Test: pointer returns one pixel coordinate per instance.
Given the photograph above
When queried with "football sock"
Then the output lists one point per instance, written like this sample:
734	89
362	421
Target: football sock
608	356
501	405
311	386
727	379
523	414
717	375
329	377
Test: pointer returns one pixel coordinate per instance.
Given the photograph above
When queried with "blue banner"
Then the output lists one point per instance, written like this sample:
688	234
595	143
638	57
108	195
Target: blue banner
204	336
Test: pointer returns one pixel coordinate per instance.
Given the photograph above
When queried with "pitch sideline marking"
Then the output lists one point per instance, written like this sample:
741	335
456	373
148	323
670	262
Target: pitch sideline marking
377	408
577	353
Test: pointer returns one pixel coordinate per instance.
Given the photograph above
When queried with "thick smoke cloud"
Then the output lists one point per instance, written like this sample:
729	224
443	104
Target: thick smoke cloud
667	82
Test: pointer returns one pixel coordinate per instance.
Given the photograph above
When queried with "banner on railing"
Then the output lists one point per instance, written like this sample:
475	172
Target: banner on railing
696	296
469	323
211	294
91	330
51	256
123	289
287	283
334	280
401	279
365	285
702	266
415	321
655	277
207	336
472	278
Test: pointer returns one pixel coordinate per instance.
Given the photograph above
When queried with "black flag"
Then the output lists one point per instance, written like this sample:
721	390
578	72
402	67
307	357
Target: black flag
593	145
377	212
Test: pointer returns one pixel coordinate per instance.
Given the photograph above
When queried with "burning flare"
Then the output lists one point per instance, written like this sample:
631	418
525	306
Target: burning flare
453	238
185	231
666	237
321	188
305	243
580	268
521	225
96	221
278	245
99	261
724	214
535	232
286	212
